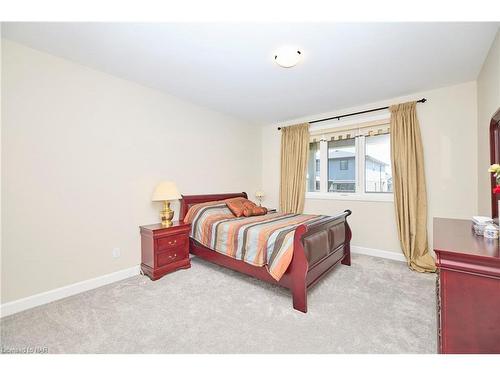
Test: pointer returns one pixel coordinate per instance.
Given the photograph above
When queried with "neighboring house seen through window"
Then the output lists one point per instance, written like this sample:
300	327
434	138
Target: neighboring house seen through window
342	165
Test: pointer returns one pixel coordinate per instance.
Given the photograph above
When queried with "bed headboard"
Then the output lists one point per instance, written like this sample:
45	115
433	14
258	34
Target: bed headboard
188	200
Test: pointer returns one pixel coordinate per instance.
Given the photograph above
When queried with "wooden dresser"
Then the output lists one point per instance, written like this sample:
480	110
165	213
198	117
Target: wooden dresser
468	289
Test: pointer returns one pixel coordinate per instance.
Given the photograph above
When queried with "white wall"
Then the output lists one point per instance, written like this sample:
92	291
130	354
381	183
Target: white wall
488	100
448	124
81	154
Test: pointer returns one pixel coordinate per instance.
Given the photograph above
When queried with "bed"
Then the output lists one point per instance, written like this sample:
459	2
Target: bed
317	245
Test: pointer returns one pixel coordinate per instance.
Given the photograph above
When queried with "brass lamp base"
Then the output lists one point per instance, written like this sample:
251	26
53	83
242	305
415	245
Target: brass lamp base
166	215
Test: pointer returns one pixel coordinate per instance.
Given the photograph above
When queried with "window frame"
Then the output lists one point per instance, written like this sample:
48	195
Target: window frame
360	194
315	170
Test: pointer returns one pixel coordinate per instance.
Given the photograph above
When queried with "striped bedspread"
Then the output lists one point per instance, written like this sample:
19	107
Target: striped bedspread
258	240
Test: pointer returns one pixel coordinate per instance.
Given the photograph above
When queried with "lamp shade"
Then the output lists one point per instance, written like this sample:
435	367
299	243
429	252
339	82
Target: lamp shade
166	191
259	194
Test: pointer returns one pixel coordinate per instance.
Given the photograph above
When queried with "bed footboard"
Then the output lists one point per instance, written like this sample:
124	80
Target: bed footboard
317	249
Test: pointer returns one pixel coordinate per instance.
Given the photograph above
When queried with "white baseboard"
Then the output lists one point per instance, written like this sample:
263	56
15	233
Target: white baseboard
378	253
22	304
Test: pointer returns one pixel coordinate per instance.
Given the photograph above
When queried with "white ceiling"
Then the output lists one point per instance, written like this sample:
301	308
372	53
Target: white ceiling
229	67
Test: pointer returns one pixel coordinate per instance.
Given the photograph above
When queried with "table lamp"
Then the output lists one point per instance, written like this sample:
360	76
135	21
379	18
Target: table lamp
166	191
259	195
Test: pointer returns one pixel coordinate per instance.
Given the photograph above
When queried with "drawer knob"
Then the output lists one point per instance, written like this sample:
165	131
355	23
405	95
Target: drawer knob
172	256
172	242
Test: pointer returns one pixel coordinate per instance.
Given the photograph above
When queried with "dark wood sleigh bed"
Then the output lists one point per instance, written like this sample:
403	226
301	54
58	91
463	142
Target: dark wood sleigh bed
317	249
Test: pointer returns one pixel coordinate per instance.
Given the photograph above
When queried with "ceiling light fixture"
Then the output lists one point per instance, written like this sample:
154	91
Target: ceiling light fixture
287	57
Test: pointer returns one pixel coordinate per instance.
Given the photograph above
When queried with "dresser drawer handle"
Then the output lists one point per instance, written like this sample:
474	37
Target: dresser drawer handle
173	256
172	242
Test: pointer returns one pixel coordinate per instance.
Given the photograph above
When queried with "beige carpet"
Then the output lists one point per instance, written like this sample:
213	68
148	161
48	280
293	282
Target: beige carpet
374	306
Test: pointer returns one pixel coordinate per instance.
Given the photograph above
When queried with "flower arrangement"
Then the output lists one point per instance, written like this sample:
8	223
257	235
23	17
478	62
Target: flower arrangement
495	169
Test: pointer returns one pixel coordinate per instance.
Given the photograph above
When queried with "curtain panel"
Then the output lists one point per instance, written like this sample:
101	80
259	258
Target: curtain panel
294	148
410	195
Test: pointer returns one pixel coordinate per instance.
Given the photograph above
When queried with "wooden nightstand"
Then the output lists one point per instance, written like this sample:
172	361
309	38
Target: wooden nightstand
164	250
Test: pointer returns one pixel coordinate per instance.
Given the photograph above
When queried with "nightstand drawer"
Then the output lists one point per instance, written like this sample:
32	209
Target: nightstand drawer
170	256
170	242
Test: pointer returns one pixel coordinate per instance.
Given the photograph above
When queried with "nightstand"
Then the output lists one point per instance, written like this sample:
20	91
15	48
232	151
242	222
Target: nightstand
164	249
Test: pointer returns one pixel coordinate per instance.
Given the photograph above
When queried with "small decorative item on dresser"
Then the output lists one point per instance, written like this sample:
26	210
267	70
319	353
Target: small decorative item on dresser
479	223
495	169
259	195
491	231
495	182
166	191
164	249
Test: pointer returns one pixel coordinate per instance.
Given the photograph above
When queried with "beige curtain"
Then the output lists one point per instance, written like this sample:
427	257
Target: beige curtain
294	147
410	197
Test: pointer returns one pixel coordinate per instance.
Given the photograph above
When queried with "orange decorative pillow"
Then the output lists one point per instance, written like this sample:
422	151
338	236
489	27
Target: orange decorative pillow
254	211
237	205
243	207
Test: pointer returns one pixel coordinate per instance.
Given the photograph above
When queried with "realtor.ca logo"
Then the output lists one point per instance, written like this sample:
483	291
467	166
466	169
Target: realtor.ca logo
25	350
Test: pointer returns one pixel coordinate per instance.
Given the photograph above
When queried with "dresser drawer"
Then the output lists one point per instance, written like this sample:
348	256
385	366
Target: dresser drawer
171	242
170	256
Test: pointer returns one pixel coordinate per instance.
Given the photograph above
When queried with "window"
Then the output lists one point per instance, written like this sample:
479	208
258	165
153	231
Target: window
378	173
356	168
313	167
341	165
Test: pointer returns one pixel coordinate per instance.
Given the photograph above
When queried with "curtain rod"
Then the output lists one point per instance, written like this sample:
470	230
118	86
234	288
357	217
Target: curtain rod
423	100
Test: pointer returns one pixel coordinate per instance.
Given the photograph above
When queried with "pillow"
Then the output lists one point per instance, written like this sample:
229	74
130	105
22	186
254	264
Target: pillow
243	207
254	211
237	205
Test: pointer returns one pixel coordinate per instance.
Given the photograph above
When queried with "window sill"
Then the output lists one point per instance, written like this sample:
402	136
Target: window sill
367	197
